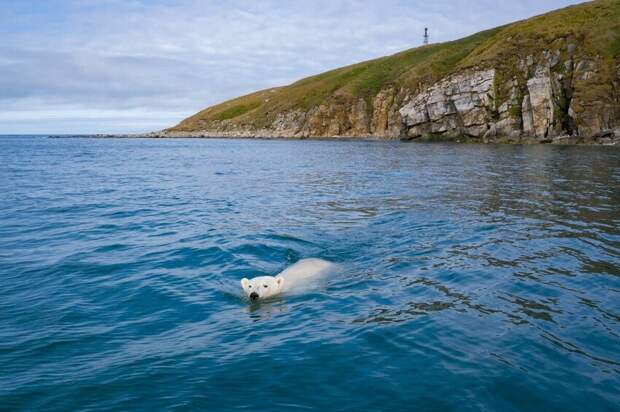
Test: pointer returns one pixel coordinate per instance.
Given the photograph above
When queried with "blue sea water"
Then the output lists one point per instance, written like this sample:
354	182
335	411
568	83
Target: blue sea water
472	277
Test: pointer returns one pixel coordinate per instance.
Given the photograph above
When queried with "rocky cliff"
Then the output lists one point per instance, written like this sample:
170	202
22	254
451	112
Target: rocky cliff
546	100
553	78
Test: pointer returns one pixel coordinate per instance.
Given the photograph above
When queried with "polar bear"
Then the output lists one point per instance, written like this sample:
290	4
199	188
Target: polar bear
294	277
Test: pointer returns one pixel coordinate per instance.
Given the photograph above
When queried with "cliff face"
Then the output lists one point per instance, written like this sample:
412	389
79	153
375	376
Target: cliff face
554	78
548	99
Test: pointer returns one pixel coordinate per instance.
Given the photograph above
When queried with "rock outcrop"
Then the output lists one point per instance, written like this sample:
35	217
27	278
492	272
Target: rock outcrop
548	101
460	105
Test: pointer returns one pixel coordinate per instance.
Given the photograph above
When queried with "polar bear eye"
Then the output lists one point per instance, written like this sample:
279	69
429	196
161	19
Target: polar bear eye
250	286
266	286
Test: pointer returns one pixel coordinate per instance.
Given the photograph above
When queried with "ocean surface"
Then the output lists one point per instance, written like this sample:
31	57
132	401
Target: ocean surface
471	277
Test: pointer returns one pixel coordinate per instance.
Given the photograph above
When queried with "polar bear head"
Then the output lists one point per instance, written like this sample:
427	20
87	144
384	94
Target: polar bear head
262	287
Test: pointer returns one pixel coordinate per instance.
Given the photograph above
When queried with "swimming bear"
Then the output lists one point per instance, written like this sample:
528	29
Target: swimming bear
297	275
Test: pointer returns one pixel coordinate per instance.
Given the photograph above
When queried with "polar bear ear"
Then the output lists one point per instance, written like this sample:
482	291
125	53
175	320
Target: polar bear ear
244	283
279	281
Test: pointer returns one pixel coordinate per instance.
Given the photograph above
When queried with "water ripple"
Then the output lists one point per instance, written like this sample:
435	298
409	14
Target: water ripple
471	277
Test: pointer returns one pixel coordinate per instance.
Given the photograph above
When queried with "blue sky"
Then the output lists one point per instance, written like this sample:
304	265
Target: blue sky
110	66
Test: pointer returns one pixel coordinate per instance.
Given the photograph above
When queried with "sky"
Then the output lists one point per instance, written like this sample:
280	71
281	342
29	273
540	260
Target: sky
127	66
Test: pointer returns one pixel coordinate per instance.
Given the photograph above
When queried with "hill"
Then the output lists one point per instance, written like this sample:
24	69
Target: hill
551	77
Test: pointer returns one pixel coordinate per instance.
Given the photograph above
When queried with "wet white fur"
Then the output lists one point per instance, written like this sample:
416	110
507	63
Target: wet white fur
293	278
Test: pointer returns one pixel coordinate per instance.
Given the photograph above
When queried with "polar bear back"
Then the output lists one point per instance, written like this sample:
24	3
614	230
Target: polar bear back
305	270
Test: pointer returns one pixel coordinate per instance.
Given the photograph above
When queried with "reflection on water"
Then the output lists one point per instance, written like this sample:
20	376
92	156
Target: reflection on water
472	277
265	310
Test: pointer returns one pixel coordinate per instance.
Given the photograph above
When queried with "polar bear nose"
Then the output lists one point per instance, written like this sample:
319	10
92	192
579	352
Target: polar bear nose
254	296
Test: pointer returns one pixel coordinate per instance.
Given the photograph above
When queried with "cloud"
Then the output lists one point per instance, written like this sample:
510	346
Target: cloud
63	61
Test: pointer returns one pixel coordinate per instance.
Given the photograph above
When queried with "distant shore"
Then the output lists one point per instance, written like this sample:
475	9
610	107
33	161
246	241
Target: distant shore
605	138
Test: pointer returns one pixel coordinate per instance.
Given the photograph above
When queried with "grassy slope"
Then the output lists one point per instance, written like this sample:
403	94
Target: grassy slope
595	26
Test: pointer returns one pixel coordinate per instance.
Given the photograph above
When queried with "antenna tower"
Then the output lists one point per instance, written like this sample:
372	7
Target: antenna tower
425	36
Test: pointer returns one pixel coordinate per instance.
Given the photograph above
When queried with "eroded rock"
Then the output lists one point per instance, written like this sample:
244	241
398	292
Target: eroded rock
458	104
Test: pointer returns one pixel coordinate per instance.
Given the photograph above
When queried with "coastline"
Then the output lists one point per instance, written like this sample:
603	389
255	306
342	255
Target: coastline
605	138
